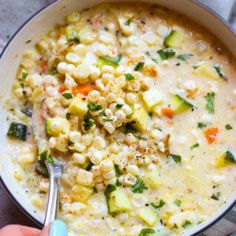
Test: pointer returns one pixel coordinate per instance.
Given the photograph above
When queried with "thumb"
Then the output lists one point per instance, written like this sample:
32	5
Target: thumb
45	231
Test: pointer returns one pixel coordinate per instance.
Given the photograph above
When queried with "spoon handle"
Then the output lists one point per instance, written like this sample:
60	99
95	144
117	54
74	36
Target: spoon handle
55	172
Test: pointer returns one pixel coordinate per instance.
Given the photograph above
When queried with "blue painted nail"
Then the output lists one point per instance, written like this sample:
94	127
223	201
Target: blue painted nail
58	228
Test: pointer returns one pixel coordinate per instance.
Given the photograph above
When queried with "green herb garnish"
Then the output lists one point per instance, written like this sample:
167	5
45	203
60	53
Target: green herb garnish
184	57
159	205
146	232
139	66
210	102
67	95
215	196
229	156
201	125
118	106
139	186
228	127
128	22
176	158
112	61
24	75
94	107
186	223
195	145
88	122
166	53
177	202
218	69
110	188
129	77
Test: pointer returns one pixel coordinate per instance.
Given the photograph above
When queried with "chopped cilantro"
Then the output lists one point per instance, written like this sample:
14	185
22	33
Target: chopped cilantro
146	232
195	145
117	170
177	202
129	128
184	57
24	75
88	122
102	113
128	22
186	223
118	106
229	156
89	166
45	156
112	61
106	29
139	66
139	186
110	188
68	116
159	205
228	127
176	158
129	77
67	95
215	196
218	69
201	125
210	102
94	107
166	53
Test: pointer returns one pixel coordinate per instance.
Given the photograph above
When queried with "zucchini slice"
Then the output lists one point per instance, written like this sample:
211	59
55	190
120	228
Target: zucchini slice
174	39
17	130
180	104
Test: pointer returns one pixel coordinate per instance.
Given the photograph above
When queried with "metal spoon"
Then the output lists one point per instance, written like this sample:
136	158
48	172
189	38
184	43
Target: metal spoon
55	168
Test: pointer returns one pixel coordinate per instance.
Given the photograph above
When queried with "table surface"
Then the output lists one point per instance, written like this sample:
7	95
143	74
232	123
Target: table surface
12	14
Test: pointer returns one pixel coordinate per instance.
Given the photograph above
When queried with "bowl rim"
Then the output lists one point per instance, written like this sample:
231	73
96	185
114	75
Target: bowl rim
31	18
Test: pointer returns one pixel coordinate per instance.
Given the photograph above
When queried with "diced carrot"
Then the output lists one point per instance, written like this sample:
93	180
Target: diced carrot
62	88
43	66
168	112
211	135
84	89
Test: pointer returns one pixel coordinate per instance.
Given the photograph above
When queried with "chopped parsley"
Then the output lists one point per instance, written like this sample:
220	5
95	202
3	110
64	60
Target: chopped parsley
146	232
117	170
177	202
68	116
129	128
186	224
176	158
45	156
110	188
210	102
106	29
67	95
89	166
118	106
88	122
229	156
159	205
228	127
94	107
195	145
128	22
218	69
166	53
201	125
139	66
129	77
184	57
139	186
24	75
215	196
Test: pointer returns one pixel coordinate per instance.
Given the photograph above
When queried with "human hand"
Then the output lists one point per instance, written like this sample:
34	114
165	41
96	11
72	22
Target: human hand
19	230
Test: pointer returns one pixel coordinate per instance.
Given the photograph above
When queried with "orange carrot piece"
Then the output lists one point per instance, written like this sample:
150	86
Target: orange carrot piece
84	89
168	112
43	66
211	135
62	88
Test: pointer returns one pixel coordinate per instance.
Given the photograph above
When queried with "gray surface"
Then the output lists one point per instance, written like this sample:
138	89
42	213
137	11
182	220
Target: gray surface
12	14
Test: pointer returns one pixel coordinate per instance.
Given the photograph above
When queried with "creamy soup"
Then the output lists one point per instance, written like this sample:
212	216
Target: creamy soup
138	103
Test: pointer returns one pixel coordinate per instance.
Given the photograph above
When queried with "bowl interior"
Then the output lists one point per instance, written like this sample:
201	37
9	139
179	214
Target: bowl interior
40	24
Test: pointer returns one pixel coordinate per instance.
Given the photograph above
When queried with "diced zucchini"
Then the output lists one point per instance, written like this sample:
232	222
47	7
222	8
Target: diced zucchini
71	34
140	119
152	179
174	39
17	130
81	193
56	126
206	71
111	61
78	107
228	158
118	202
152	98
148	215
180	104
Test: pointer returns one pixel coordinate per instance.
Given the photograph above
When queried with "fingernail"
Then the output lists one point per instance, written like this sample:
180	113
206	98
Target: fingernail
58	228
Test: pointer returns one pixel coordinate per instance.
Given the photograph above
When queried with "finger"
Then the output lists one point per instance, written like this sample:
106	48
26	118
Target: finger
45	231
18	230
